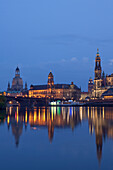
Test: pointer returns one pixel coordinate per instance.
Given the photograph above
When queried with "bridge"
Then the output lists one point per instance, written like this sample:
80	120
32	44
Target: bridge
26	101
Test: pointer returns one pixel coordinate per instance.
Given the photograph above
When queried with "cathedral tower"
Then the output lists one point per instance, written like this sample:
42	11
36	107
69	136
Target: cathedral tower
98	76
98	69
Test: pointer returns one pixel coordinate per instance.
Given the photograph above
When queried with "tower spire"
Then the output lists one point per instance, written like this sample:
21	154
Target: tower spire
97	52
98	69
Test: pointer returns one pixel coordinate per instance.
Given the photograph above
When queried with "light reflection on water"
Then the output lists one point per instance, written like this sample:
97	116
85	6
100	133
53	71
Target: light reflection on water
98	119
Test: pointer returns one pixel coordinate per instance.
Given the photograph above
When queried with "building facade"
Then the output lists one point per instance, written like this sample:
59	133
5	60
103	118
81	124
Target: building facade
55	91
17	85
102	82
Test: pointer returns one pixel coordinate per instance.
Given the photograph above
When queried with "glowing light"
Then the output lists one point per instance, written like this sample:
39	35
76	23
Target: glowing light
103	112
35	115
26	116
39	115
10	102
17	110
17	118
10	110
44	115
30	117
81	113
8	120
88	112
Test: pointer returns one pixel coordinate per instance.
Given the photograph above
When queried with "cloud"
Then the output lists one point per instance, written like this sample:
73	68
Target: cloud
111	62
73	59
85	59
63	60
67	39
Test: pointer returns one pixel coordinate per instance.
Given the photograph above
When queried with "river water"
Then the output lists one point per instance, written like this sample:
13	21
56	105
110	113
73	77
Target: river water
56	138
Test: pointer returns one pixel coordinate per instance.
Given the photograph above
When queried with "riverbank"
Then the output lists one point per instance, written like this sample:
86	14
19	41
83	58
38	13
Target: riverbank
2	102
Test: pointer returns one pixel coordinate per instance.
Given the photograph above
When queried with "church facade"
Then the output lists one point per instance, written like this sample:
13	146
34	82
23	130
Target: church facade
17	85
55	91
101	82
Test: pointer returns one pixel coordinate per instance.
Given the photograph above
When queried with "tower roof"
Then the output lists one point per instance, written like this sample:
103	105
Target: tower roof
17	69
98	55
50	74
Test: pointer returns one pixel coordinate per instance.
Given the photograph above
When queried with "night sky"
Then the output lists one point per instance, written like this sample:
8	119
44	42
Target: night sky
58	35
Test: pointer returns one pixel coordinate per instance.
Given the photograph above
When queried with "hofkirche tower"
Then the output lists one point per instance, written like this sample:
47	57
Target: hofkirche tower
102	82
98	68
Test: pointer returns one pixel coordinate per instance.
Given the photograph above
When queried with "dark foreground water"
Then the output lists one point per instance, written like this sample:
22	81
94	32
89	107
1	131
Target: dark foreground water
56	138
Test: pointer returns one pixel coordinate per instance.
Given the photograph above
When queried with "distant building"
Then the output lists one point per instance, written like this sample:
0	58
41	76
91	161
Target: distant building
101	82
17	85
56	91
84	95
109	80
108	94
90	85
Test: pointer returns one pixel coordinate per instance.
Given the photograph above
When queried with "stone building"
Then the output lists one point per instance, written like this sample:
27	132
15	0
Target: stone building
101	82
17	84
90	85
56	91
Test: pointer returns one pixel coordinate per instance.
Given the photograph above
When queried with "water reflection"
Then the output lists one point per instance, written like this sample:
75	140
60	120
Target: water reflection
100	121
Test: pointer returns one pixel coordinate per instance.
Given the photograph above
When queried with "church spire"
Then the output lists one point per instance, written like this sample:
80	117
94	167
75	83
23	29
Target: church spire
97	52
98	69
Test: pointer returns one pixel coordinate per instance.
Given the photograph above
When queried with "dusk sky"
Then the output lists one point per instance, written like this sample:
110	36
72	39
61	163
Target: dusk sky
58	35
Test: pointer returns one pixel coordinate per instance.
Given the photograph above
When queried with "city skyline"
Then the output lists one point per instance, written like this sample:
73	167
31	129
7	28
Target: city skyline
86	88
44	38
56	84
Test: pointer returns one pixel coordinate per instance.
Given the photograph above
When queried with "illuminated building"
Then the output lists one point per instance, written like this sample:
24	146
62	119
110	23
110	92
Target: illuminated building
56	91
17	85
109	80
90	85
84	95
101	82
108	94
